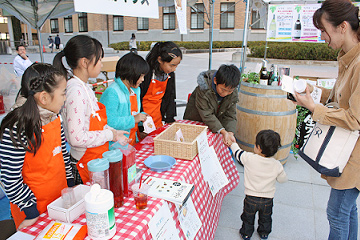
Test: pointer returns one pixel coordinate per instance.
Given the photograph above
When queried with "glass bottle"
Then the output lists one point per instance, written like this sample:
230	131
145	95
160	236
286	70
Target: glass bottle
272	28
297	28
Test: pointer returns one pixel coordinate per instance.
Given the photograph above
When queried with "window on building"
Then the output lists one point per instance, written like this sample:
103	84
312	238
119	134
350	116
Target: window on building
68	24
83	24
3	20
259	24
142	23
118	23
54	25
4	36
169	18
227	17
197	16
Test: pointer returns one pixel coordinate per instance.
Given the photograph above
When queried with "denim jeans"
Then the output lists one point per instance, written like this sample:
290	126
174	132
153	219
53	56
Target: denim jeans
251	206
342	214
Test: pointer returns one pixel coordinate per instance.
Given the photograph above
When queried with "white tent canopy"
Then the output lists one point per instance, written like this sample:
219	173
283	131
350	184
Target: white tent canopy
36	12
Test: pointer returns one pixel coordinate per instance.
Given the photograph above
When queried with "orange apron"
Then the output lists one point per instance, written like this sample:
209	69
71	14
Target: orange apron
44	173
97	122
152	100
134	110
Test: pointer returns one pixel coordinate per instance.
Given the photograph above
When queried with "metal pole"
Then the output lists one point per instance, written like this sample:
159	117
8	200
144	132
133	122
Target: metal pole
266	47
40	44
212	9
245	36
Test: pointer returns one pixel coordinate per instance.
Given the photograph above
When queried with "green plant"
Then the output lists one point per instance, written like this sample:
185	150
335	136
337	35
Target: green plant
251	77
302	113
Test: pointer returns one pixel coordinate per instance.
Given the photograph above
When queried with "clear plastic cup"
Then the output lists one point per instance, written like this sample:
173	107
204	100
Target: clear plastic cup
140	195
68	197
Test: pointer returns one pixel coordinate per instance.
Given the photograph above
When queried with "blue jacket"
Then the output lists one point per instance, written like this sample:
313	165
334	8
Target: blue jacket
116	99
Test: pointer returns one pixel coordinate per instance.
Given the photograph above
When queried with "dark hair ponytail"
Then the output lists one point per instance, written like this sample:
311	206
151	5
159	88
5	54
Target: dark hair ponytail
26	118
336	12
167	51
80	46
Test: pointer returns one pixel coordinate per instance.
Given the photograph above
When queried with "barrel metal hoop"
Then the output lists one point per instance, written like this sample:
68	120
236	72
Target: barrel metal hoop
261	95
252	145
269	87
265	113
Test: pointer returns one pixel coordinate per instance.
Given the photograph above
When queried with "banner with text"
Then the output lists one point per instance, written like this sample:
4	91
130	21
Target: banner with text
292	23
132	8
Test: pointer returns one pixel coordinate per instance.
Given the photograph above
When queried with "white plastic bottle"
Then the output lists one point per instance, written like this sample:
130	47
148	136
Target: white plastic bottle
100	214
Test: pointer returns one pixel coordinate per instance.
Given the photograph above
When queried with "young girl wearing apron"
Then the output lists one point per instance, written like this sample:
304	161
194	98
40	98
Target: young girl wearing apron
122	98
158	89
35	165
85	119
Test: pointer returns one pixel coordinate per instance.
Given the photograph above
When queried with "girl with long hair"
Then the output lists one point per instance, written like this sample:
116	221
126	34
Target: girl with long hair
35	165
85	119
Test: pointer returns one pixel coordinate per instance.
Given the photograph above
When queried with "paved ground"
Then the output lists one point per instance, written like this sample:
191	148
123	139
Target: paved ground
299	205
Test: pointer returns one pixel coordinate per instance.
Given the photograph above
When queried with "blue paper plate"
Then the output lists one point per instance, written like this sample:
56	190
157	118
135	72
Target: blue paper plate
160	163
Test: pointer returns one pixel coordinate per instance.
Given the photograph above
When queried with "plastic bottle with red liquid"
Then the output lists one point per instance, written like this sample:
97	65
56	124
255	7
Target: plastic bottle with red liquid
129	166
2	106
115	158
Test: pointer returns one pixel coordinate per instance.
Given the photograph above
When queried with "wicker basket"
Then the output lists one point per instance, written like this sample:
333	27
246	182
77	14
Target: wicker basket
165	144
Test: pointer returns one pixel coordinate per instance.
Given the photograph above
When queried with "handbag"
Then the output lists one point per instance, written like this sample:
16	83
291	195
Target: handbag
329	148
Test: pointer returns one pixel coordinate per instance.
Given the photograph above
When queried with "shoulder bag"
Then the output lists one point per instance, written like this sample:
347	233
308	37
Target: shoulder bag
329	148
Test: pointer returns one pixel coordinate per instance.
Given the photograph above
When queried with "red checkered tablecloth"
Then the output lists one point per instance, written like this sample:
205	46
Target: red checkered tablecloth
133	224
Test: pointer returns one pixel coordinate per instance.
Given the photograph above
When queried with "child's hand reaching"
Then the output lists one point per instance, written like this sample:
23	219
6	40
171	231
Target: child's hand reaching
228	137
120	137
27	223
140	117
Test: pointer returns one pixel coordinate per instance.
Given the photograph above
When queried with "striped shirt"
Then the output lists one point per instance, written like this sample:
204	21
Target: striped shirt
12	160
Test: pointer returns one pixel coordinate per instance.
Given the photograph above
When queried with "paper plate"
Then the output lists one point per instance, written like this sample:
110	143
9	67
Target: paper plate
160	163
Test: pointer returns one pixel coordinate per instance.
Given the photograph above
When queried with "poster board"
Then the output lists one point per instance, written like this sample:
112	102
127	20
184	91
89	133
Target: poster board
292	23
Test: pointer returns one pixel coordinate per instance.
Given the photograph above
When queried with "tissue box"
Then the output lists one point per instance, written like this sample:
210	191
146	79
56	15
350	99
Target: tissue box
57	212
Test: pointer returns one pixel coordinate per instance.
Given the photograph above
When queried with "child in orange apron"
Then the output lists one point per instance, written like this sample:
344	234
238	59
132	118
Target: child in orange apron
85	120
35	165
122	98
158	89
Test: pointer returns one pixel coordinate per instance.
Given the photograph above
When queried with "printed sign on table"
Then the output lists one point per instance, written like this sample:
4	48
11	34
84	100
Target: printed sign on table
189	219
162	225
132	8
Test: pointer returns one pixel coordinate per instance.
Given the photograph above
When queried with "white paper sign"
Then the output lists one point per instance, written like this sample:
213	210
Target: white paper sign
133	8
189	219
202	144
212	171
180	7
162	225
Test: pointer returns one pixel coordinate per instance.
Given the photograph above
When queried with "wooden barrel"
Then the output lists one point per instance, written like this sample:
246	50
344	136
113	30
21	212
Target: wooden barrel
265	107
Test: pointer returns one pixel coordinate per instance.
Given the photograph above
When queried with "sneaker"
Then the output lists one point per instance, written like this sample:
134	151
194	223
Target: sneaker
264	237
244	237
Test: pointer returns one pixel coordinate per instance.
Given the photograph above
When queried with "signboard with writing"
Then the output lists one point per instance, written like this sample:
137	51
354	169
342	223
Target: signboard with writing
292	23
133	8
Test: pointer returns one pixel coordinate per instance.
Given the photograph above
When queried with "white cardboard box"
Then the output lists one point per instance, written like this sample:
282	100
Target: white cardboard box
57	212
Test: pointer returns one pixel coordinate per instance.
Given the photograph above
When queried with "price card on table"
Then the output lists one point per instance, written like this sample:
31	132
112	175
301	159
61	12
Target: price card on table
162	225
189	219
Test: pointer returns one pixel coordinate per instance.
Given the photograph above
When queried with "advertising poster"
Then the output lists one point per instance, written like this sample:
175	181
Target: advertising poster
292	23
134	8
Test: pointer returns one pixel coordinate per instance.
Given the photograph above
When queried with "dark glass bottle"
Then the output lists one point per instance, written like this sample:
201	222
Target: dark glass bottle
297	28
